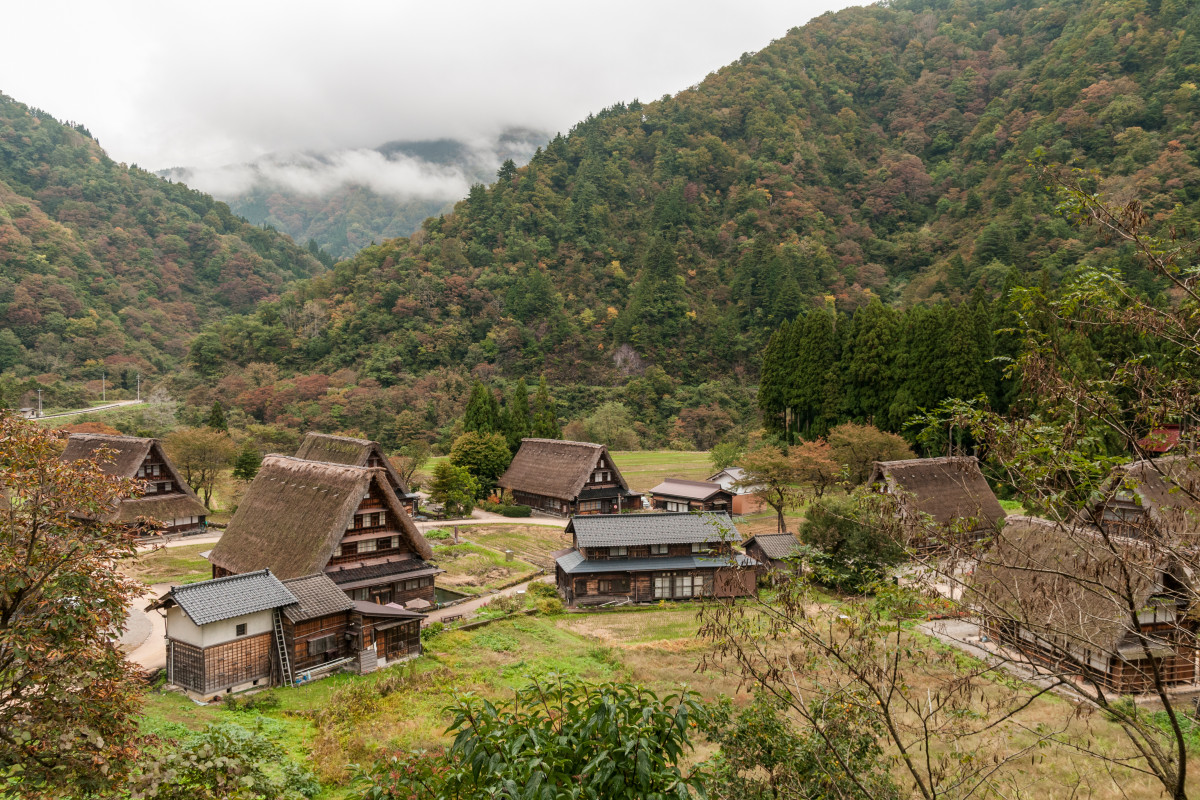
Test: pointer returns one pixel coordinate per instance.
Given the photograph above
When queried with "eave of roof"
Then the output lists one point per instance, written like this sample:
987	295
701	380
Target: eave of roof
579	565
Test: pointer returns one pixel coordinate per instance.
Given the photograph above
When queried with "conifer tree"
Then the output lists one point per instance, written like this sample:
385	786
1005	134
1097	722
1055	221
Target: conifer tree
247	463
216	418
483	413
517	423
545	415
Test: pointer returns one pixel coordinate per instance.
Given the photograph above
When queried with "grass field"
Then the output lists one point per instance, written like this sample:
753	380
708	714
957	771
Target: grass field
533	543
178	565
645	469
472	569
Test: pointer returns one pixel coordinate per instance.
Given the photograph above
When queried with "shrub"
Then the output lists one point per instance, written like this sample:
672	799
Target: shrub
550	606
437	534
516	511
542	589
431	630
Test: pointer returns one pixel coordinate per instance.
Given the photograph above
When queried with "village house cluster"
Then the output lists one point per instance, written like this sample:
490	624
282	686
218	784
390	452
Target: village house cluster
321	567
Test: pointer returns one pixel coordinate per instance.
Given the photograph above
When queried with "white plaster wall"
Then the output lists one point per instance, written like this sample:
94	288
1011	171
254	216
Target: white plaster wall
182	629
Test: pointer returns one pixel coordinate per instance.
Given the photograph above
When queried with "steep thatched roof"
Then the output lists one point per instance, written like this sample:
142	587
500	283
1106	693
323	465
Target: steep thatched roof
554	468
1068	586
295	513
352	452
123	455
948	489
1167	489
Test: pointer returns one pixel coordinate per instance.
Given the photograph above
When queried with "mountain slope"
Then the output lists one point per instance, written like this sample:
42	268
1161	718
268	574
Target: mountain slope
103	264
878	151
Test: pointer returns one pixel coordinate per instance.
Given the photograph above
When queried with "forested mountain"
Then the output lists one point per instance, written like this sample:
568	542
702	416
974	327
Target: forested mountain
347	200
109	267
879	152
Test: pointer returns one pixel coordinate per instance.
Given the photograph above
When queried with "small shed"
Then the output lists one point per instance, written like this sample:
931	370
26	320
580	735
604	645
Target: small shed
676	494
321	628
770	549
220	633
732	480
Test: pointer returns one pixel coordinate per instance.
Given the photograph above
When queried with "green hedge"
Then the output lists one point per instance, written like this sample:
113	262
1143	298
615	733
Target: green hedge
516	511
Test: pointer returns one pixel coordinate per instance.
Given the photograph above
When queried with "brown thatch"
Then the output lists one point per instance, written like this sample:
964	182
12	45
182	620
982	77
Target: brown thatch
554	468
352	452
295	513
123	455
1166	489
951	490
1070	587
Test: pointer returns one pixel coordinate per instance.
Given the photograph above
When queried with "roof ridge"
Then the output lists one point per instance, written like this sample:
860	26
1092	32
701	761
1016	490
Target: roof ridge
110	436
564	441
225	579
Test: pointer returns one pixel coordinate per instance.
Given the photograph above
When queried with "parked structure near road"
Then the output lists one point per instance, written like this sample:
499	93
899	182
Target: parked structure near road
676	494
165	498
357	453
943	501
770	549
732	479
303	517
559	477
1154	500
252	630
1067	597
622	558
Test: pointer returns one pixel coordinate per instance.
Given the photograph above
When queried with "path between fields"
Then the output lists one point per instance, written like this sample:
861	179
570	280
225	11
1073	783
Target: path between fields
471	606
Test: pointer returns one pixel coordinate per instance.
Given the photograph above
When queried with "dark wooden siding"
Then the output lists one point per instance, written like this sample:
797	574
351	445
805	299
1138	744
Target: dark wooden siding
301	637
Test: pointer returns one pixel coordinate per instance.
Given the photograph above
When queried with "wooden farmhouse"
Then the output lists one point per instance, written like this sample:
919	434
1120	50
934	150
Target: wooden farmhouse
942	500
165	497
770	549
357	453
744	500
1153	499
304	517
676	494
252	630
1066	598
641	558
562	478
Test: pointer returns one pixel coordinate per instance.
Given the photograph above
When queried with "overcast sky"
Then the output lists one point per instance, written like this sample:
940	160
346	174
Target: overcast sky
169	84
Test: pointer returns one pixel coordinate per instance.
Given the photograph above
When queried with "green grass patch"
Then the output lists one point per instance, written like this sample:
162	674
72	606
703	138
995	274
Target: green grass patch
645	469
473	569
177	565
533	543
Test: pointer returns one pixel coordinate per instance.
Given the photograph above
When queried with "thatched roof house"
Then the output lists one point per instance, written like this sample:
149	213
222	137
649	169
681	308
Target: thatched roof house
1069	594
1150	499
950	491
302	517
166	497
561	477
357	453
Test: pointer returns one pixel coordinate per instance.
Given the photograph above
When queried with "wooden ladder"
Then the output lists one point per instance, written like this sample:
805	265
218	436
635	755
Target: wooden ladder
285	663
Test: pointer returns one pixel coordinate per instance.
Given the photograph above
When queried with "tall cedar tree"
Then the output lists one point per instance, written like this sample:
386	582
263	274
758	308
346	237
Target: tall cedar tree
517	417
68	697
483	412
545	413
247	463
216	418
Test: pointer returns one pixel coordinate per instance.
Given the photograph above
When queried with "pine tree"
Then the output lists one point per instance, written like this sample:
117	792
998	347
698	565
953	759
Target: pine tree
246	465
773	380
517	422
545	414
483	413
216	418
868	367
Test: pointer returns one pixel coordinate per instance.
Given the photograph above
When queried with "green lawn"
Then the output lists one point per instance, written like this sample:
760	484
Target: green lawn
645	469
472	569
533	543
178	565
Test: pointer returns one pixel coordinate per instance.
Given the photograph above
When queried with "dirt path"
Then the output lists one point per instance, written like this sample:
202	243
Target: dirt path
143	640
469	607
481	517
117	404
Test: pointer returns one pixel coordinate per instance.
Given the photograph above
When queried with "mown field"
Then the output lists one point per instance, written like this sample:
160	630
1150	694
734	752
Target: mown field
177	565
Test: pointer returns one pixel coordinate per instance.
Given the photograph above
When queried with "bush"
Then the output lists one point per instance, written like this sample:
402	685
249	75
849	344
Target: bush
847	548
542	589
549	606
516	511
431	630
437	534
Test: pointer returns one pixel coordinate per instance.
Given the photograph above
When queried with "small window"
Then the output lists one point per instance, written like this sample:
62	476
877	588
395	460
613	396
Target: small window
325	644
701	547
382	518
359	594
658	549
241	629
617	552
367	546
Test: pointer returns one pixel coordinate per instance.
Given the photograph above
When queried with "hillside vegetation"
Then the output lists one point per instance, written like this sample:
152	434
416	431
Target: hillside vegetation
108	267
876	152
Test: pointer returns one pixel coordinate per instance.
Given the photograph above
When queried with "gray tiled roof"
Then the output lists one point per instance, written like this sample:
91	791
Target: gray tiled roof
222	598
611	530
692	490
318	596
776	545
574	564
382	571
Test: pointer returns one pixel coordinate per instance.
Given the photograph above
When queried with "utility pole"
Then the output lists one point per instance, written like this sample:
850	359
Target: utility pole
39	402
139	379
103	390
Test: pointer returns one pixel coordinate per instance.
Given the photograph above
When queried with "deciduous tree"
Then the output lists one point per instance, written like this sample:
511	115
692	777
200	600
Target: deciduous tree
201	455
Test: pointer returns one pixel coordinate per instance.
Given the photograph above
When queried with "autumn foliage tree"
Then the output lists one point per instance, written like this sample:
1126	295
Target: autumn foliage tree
201	454
67	695
857	447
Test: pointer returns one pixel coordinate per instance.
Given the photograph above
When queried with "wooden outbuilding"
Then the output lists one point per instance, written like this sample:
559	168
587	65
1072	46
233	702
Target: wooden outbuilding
770	549
560	478
943	501
676	494
357	453
732	480
165	497
1067	597
641	558
1151	499
303	517
221	634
